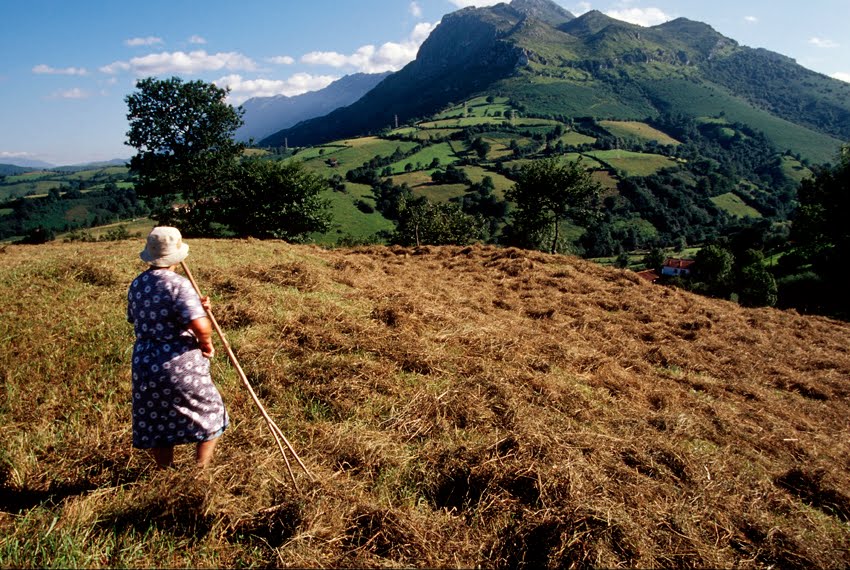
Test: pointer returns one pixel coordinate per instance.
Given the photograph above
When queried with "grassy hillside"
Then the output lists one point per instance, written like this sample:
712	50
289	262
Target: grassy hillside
459	407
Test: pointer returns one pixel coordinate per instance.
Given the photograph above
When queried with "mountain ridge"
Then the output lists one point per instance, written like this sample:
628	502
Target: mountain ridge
476	51
267	115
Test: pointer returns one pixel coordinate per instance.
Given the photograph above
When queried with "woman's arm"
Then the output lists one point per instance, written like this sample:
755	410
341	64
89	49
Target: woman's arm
202	328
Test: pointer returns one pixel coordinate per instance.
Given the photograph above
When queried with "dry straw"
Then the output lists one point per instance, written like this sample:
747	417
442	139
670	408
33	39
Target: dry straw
279	438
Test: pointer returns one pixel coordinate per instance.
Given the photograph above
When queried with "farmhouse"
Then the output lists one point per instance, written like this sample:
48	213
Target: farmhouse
673	266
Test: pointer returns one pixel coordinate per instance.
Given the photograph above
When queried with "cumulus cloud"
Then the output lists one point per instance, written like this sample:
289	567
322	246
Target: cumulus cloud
477	3
823	43
47	70
282	60
390	56
182	62
148	41
582	8
415	9
197	40
243	89
640	16
73	93
843	76
751	19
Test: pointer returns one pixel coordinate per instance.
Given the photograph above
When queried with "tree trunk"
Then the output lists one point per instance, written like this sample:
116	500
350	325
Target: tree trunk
555	239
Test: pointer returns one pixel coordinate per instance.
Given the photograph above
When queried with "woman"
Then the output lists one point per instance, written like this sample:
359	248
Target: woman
174	399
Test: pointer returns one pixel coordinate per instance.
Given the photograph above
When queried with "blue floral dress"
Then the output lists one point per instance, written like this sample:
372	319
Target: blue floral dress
174	399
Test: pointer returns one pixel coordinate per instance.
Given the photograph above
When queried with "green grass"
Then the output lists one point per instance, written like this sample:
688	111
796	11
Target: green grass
705	101
475	121
354	153
573	138
441	192
21	189
794	169
348	220
638	131
630	163
735	206
423	158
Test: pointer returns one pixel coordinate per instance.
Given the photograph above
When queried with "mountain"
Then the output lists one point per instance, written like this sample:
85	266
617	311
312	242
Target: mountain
26	162
553	64
266	115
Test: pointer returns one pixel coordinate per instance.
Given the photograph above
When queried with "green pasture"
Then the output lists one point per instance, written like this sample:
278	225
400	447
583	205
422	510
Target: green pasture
30	176
572	138
706	102
639	131
475	121
629	163
348	220
441	192
794	169
732	204
501	183
323	151
424	157
21	189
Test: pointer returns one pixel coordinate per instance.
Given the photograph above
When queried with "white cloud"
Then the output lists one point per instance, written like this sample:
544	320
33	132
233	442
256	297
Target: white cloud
7	154
282	60
416	9
243	89
197	40
390	56
148	41
582	8
182	62
751	19
73	93
46	69
477	3
823	43
640	16
843	76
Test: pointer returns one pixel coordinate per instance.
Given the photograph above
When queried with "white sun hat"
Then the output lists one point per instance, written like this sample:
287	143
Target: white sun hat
165	247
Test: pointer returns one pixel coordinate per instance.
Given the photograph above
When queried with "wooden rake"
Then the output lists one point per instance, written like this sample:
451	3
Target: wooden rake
279	438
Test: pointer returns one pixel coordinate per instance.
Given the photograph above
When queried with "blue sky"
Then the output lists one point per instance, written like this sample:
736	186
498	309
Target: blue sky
67	65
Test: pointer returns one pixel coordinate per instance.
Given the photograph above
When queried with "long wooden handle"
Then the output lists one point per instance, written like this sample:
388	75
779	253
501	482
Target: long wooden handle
276	432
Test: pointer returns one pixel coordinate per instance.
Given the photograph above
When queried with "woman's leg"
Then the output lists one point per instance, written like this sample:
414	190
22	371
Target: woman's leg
164	456
204	452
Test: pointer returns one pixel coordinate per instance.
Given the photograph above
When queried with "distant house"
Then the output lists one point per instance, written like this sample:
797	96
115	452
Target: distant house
650	275
332	162
674	267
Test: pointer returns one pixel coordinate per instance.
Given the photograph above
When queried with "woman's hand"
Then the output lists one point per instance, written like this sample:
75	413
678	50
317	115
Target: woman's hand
206	304
207	349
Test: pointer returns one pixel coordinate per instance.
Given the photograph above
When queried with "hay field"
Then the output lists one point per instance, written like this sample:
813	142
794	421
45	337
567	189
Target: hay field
460	407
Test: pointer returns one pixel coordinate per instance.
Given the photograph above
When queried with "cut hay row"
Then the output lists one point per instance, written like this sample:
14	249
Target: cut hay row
459	407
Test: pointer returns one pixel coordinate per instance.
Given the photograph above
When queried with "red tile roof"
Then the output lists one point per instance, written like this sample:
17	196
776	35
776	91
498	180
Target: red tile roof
678	263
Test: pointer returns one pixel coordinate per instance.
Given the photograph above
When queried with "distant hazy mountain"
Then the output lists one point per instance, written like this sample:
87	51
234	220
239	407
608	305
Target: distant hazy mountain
26	162
267	115
552	64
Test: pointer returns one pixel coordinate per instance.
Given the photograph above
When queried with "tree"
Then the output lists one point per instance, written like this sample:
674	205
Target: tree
548	192
424	222
822	233
183	132
713	268
285	201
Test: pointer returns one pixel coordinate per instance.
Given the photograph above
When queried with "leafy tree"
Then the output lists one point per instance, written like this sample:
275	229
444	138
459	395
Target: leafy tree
183	132
713	270
823	234
548	192
424	222
285	201
654	259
